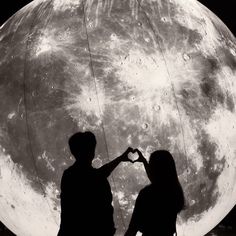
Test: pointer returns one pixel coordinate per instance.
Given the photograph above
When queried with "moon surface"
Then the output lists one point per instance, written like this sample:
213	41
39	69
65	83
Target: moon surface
151	74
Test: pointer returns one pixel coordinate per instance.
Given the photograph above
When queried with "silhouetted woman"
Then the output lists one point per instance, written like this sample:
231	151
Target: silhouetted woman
157	204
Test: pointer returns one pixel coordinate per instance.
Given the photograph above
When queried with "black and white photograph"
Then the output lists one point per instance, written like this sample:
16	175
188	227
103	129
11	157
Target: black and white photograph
118	118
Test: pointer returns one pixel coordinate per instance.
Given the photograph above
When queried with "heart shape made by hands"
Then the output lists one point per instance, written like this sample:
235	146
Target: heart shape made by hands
133	156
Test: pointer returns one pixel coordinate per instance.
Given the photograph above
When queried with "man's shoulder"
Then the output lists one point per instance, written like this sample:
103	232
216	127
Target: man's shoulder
71	170
80	171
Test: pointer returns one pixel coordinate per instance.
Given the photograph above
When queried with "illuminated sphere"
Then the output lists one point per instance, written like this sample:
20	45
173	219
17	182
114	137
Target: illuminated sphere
151	74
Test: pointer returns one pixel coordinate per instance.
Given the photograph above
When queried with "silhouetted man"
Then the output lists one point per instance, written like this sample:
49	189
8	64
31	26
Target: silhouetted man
86	198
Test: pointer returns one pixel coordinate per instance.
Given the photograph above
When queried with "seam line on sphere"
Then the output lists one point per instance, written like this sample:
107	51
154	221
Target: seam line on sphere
172	85
99	107
27	47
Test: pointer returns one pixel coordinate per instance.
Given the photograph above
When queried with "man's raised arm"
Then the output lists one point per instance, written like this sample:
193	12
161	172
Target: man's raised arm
110	166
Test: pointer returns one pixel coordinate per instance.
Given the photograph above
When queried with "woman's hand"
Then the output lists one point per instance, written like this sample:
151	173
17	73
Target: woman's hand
141	158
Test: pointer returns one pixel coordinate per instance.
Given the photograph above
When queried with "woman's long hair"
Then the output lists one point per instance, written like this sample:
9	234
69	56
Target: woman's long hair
162	172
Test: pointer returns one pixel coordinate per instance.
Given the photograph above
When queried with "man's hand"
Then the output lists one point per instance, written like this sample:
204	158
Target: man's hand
110	166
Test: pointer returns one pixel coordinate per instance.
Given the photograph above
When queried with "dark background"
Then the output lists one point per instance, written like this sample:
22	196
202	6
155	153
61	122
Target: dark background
225	10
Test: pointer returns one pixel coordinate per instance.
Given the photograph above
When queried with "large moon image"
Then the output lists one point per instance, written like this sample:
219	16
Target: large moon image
151	74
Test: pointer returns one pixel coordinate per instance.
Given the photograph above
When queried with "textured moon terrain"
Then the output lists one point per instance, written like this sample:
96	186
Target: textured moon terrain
151	74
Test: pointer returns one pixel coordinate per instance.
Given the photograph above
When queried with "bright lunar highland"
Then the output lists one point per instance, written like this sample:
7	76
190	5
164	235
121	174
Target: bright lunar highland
151	74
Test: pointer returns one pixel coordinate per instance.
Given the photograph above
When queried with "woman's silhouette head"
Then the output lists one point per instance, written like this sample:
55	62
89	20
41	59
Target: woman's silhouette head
82	146
162	167
163	175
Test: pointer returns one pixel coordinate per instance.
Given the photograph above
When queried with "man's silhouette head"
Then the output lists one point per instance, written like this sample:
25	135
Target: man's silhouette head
82	146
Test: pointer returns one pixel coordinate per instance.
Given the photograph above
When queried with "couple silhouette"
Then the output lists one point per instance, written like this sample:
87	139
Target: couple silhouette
86	198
